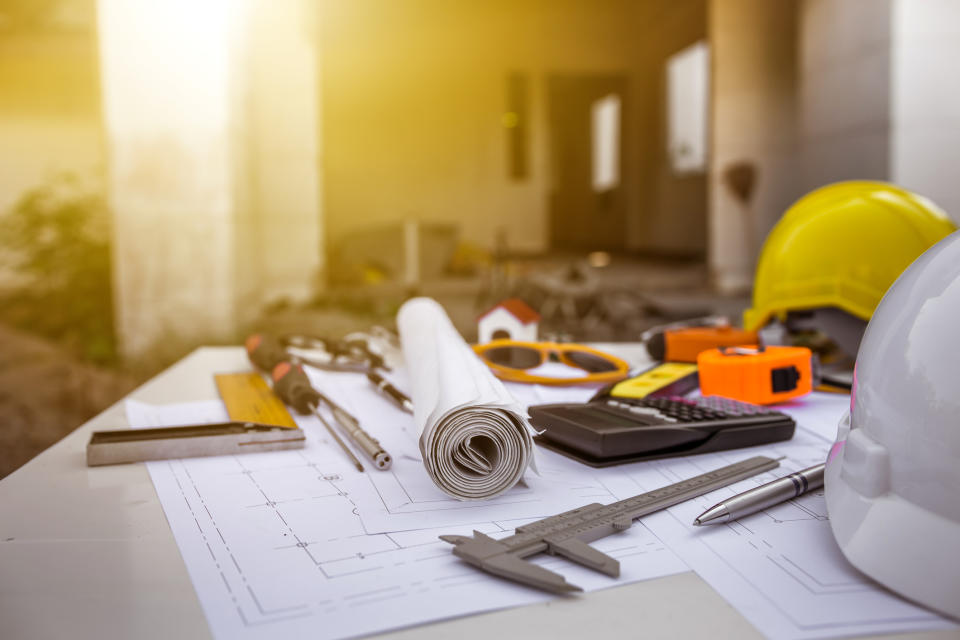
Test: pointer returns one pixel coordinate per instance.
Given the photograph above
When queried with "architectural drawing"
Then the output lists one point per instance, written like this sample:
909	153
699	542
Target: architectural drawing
274	545
780	567
278	543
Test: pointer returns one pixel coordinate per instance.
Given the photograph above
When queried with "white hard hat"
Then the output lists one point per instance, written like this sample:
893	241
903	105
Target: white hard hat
893	476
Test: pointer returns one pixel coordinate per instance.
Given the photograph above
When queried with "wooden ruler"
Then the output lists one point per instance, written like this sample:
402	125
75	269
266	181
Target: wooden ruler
249	399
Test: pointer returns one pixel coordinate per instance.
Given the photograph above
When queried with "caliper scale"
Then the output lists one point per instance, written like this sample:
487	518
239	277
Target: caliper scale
568	533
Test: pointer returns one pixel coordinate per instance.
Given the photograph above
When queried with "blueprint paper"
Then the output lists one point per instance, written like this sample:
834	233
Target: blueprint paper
405	497
781	567
475	439
142	415
276	543
275	547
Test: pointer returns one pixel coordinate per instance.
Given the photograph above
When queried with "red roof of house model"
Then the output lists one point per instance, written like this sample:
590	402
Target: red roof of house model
520	310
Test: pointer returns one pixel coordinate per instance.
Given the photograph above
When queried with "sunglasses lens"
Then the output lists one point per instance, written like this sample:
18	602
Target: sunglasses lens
513	357
589	362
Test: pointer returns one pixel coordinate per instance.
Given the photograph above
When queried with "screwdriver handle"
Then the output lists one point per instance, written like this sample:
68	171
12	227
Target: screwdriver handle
292	385
265	352
290	382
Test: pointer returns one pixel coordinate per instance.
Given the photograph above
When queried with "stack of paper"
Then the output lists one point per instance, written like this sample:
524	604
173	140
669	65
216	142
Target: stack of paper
475	440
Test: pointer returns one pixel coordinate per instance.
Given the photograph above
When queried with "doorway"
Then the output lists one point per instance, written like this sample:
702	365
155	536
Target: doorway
587	124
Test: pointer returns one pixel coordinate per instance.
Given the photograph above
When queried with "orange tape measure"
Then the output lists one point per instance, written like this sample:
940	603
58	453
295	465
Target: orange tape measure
685	344
760	375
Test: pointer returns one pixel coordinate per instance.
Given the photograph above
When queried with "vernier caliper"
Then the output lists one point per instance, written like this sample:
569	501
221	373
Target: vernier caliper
568	533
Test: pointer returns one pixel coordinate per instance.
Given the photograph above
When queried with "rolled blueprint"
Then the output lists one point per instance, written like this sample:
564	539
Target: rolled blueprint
474	438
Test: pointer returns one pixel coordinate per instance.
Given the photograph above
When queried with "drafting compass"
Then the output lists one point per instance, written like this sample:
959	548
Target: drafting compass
568	533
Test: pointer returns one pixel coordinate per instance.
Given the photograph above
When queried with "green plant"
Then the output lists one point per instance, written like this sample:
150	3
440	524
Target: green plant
55	247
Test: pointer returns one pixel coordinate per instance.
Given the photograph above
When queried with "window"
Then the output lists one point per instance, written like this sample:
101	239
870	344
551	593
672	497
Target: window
605	143
688	96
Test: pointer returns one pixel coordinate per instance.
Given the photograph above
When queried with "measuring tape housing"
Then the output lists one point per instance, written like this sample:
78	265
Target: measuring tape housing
759	375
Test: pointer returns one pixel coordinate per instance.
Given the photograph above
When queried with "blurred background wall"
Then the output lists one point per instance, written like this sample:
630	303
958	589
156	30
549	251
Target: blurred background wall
50	106
243	147
173	172
418	120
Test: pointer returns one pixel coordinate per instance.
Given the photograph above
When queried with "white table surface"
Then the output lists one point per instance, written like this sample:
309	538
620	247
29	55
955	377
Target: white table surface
87	553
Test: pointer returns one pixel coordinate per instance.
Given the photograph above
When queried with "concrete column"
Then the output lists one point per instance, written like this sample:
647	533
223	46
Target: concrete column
170	142
844	91
283	149
871	94
925	100
753	126
210	117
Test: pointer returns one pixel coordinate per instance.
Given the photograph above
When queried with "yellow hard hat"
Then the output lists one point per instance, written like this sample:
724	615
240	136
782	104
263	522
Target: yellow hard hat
842	246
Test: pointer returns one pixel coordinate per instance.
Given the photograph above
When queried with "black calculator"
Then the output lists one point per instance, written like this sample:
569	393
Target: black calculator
607	431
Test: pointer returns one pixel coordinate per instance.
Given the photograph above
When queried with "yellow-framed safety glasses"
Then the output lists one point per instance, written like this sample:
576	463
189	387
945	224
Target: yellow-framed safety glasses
511	360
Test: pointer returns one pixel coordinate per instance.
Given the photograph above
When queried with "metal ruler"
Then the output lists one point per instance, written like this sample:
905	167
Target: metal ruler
568	533
249	399
164	443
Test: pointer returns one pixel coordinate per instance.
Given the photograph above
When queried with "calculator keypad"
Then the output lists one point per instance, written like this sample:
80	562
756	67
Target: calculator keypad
679	409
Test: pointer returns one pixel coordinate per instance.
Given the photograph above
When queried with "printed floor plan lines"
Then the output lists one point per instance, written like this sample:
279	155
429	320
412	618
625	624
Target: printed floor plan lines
259	577
406	498
300	544
276	543
781	567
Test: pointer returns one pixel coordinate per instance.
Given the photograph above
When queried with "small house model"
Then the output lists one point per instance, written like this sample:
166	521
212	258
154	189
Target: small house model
511	319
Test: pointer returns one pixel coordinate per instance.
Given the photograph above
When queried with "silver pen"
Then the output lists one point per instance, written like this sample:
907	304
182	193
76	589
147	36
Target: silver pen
766	495
383	386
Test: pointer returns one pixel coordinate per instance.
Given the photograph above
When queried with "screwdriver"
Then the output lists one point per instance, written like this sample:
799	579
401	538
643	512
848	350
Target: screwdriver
266	354
290	381
292	385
